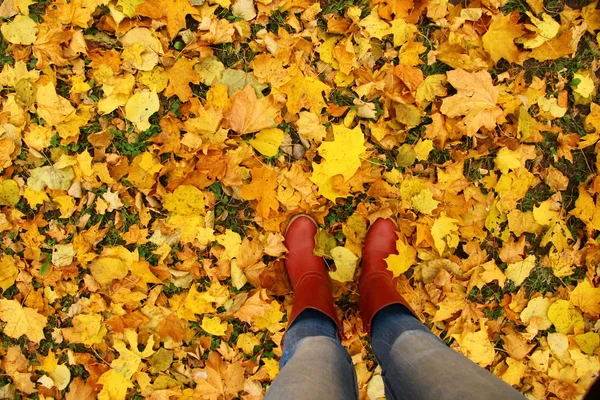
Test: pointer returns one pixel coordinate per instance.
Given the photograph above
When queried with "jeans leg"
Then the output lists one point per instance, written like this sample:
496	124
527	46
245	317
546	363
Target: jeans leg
314	364
416	364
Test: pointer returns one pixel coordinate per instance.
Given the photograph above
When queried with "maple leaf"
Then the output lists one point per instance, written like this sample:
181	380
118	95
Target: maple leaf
249	114
140	107
22	321
173	12
476	99
304	92
498	41
537	309
76	12
587	298
444	231
401	262
262	188
214	325
345	264
22	30
519	271
181	74
565	317
477	346
267	141
342	157
48	47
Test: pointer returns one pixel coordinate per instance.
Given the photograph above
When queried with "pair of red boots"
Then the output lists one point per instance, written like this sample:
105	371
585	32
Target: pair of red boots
309	278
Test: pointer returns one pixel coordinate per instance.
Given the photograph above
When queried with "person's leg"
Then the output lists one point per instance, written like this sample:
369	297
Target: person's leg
416	364
314	364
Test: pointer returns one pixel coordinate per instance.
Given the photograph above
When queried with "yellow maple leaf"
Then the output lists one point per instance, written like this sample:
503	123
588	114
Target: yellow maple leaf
238	278
262	188
271	319
423	148
345	264
444	232
586	210
8	272
402	31
232	242
565	317
310	127
142	170
375	26
117	91
401	262
181	74
342	157
185	200
267	141
9	193
149	47
432	86
272	367
90	327
514	373
172	12
586	297
53	108
156	80
106	269
304	92
546	28
140	107
550	108
588	342
544	214
476	99
195	303
498	41
519	271
114	386
66	205
22	321
424	202
214	325
452	304
477	346
537	309
247	342
22	30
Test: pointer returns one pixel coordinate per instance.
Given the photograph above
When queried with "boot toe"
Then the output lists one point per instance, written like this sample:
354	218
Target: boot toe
383	227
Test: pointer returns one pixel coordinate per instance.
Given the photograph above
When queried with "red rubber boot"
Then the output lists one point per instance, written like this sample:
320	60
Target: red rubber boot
307	272
377	286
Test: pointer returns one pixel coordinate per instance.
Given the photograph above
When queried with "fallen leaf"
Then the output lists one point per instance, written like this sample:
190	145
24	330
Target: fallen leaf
22	321
345	264
250	114
519	271
476	99
22	30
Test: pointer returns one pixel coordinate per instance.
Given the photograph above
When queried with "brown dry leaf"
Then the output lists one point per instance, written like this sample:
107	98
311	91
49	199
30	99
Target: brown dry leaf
250	114
476	99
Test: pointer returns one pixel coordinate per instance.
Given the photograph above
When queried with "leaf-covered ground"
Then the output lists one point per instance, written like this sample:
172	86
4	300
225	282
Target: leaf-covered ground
151	153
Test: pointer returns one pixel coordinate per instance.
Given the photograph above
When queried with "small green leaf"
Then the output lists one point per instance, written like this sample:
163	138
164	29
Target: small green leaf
45	268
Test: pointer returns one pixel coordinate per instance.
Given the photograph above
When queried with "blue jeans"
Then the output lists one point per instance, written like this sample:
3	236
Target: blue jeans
415	363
